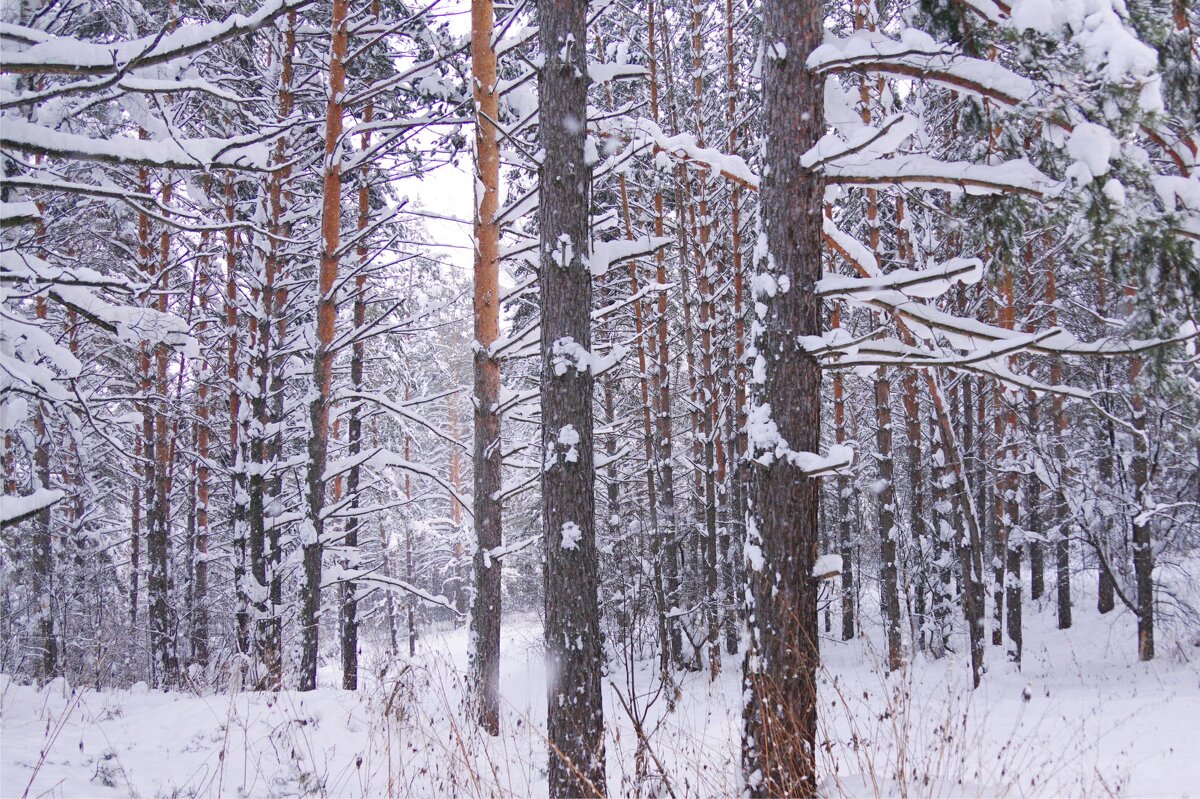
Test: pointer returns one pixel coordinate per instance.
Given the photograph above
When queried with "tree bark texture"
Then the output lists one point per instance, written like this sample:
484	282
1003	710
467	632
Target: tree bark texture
485	614
780	712
575	718
318	445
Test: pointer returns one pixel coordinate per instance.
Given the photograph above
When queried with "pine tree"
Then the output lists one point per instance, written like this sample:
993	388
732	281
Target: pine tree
573	652
780	716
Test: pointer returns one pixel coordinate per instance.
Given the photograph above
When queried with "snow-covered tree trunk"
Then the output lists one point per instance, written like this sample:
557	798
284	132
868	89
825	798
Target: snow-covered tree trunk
780	714
237	478
199	587
488	451
1033	436
143	499
574	659
646	339
970	536
1008	492
941	539
843	489
921	541
323	354
1106	598
1143	548
889	532
279	198
996	519
409	562
737	454
661	381
158	538
707	397
348	606
1062	523
43	545
259	329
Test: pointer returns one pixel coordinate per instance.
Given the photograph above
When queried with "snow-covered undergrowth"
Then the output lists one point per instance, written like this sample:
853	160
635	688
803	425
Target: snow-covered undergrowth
1082	718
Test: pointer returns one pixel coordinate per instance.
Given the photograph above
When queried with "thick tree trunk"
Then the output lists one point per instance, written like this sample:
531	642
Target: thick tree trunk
485	615
575	710
780	712
318	445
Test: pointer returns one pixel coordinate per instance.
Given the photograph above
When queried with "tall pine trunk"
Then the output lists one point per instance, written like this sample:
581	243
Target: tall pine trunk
158	582
485	614
737	494
43	545
708	397
318	444
236	464
888	532
780	712
1007	490
845	539
1106	598
1062	541
199	588
348	617
661	386
575	710
1143	549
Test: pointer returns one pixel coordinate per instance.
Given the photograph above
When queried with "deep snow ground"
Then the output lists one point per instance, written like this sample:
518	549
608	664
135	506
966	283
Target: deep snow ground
1082	718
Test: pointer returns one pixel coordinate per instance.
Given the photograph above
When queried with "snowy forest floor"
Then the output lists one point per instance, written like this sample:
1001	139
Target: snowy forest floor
1082	718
